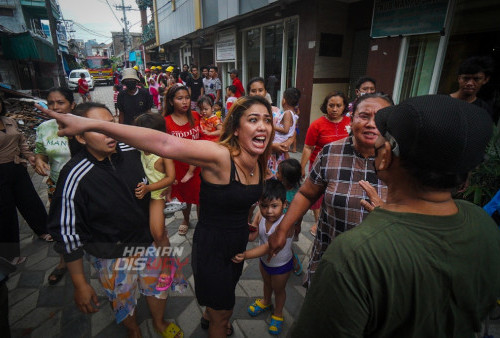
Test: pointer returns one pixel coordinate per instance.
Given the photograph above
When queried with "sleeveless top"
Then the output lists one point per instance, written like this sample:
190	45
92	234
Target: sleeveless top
285	254
280	137
153	175
226	206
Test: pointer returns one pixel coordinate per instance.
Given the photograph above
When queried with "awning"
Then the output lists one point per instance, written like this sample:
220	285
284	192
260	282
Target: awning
25	46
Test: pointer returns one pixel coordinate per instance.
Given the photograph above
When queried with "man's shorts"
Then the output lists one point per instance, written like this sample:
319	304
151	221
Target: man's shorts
123	285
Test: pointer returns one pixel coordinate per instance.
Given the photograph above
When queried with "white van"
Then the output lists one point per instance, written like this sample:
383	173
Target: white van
74	76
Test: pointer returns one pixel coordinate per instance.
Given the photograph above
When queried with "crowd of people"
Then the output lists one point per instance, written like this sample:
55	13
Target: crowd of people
393	252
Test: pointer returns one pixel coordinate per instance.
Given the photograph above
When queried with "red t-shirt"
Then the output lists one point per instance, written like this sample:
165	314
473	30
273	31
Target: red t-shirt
83	86
240	91
188	192
322	131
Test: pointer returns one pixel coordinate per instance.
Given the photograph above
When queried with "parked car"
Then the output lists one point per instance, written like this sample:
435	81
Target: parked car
74	76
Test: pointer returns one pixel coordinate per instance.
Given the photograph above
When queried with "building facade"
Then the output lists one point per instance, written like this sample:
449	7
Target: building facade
410	47
26	44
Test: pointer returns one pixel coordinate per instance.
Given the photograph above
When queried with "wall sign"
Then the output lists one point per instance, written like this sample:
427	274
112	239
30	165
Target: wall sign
225	46
408	17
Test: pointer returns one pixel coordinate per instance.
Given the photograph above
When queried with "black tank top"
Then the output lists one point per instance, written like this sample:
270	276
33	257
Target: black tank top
226	206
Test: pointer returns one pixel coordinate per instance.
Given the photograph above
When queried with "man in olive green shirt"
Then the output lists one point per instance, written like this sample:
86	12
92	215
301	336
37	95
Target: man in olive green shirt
422	264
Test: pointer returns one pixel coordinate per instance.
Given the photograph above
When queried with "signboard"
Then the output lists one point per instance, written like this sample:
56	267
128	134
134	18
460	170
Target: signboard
408	17
225	46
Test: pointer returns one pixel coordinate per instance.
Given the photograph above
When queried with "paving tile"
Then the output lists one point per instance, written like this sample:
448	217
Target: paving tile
35	318
252	271
253	328
50	328
52	252
18	294
253	287
48	263
101	319
148	330
176	306
294	301
75	323
52	296
22	308
189	319
13	280
37	257
31	279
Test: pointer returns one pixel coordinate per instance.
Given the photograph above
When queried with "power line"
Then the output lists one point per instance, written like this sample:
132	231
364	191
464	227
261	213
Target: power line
91	31
112	11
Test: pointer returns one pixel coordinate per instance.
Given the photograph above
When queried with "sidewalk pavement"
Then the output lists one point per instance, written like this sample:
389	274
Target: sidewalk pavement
37	309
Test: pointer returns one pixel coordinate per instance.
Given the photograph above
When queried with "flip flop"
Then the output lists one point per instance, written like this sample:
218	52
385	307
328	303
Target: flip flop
183	229
172	331
298	271
18	260
58	274
46	238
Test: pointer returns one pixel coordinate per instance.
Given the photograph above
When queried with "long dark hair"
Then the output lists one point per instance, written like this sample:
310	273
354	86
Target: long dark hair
169	104
232	123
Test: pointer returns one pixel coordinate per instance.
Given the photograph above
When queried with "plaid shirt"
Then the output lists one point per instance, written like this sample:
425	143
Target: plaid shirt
338	168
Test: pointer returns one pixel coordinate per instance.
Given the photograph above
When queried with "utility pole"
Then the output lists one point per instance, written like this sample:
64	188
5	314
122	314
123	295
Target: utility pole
53	32
126	38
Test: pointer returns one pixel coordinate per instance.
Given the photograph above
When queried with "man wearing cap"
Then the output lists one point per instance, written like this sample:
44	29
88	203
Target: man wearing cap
133	101
240	91
421	264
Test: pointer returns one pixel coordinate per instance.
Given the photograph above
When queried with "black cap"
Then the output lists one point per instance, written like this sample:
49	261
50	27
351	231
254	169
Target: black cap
437	132
233	71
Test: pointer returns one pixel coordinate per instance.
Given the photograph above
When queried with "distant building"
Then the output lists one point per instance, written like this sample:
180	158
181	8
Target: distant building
25	23
118	44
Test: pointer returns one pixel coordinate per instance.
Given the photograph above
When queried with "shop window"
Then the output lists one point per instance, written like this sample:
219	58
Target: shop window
273	50
291	53
419	66
331	45
252	53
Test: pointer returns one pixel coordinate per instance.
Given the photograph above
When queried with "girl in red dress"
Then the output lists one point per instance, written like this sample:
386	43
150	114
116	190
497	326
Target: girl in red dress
184	123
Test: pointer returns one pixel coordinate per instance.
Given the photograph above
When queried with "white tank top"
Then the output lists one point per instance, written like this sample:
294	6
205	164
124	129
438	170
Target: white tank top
280	137
285	254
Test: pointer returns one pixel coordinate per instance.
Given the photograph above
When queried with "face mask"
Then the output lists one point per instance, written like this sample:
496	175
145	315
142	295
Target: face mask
130	84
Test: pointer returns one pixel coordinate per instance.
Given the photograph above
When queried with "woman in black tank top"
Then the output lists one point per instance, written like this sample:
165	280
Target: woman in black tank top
232	177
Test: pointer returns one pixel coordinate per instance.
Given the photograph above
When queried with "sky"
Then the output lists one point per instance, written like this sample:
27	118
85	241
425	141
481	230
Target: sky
97	18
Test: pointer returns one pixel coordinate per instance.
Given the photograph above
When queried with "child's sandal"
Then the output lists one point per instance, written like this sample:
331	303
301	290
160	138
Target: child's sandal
257	308
276	325
166	280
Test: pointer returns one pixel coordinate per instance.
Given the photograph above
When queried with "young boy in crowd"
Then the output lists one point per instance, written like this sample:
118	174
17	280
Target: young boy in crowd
83	88
275	272
218	110
231	96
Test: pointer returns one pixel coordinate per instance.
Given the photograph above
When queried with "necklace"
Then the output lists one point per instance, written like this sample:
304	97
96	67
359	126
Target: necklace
251	173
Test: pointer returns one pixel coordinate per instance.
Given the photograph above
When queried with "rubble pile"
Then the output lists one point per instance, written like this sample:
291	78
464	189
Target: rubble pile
28	118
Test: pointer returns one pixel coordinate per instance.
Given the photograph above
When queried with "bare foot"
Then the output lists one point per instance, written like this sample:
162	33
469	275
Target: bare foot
187	177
